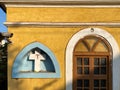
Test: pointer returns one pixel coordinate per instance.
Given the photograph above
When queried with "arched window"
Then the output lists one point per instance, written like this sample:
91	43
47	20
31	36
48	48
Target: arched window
35	61
92	64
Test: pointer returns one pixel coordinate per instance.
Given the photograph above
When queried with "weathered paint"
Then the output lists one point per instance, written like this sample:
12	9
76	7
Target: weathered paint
64	14
56	39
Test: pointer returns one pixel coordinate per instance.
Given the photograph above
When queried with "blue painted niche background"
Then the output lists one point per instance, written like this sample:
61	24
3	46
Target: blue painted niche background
24	68
28	65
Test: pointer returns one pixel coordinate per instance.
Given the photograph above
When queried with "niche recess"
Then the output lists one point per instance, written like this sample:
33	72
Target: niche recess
36	61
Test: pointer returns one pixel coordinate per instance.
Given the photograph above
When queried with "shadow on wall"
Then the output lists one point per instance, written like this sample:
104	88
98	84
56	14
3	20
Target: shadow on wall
46	85
15	84
116	73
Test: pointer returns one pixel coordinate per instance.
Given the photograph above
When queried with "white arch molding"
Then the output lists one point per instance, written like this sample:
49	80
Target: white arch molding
115	62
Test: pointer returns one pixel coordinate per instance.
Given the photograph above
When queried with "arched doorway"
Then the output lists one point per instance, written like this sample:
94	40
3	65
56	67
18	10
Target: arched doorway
92	64
115	55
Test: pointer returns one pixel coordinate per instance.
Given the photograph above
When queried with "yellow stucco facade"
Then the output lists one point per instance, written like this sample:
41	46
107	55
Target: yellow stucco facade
55	38
64	14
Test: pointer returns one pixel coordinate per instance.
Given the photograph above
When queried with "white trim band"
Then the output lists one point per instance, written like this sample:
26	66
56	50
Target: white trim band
61	3
63	6
58	24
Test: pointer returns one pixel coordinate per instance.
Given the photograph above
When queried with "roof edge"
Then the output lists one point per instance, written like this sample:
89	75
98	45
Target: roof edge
63	2
3	7
3	3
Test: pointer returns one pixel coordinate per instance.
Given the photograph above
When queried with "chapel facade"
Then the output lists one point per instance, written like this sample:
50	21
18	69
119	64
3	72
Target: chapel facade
63	44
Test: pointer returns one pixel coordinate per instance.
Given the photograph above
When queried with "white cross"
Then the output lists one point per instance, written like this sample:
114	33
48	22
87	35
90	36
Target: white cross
37	57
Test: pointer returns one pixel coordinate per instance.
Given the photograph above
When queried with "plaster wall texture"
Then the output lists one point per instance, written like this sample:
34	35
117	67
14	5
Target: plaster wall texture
56	39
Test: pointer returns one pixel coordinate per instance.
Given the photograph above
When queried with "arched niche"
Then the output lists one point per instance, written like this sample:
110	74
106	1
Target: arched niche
24	65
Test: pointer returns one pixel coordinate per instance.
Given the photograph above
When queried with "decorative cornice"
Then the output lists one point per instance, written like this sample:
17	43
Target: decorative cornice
59	24
62	2
63	6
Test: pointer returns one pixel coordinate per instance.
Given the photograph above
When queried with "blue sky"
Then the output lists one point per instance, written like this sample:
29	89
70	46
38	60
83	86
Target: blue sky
3	28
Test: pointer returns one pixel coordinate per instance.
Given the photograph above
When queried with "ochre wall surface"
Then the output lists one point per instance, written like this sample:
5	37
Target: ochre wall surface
56	39
64	14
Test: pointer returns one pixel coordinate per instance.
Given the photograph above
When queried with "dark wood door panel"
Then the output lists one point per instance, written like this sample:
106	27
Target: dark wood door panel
91	72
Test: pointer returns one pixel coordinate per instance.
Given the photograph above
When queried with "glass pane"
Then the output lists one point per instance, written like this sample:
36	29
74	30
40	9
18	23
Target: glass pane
103	70
79	61
86	70
86	89
101	47
103	83
96	89
103	61
102	89
96	70
96	83
81	47
79	89
79	83
96	61
79	70
86	61
86	83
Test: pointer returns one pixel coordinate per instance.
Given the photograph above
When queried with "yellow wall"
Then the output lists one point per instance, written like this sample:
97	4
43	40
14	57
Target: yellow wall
56	39
64	14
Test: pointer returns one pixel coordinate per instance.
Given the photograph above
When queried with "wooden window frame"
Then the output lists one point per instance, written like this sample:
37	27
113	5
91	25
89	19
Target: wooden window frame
92	53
